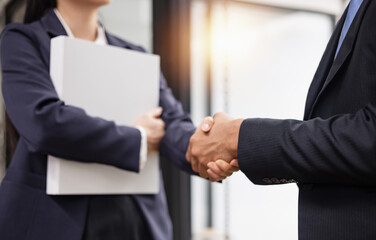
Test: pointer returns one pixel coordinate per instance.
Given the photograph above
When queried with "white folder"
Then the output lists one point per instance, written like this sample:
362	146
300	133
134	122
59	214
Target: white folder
112	83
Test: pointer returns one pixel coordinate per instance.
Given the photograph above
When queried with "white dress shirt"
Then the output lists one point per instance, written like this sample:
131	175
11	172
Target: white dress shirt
102	40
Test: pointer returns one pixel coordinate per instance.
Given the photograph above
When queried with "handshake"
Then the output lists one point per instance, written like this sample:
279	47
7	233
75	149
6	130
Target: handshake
213	148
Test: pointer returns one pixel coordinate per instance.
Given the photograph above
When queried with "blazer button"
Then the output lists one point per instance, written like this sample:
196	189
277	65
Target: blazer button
275	180
267	180
283	180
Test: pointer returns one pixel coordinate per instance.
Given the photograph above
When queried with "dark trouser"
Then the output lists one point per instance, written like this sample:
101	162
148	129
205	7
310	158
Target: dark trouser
114	218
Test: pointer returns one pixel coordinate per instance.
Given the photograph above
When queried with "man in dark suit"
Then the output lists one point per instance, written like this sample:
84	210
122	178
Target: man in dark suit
331	154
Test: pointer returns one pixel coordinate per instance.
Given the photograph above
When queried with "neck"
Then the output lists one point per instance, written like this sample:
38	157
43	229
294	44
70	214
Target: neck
81	19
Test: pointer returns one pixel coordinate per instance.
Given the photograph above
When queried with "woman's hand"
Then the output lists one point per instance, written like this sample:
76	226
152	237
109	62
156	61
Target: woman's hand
154	128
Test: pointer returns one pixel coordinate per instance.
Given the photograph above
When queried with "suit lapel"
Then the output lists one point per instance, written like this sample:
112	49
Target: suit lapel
113	41
52	24
324	66
343	54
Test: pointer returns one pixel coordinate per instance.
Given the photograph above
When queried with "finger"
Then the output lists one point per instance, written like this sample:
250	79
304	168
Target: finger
207	124
156	112
215	168
161	123
221	116
226	167
188	153
213	176
195	164
235	163
203	172
202	168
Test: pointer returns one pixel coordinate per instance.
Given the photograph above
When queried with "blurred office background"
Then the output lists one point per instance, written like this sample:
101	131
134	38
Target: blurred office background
250	58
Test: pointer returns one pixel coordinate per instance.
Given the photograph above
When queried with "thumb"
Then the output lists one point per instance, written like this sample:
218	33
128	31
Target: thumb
207	124
234	163
156	112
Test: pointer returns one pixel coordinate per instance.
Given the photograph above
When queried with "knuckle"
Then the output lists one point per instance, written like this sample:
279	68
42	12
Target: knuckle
208	119
219	114
194	167
220	167
227	168
194	151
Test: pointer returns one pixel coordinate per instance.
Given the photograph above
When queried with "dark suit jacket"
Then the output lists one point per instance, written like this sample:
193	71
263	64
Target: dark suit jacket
48	126
332	153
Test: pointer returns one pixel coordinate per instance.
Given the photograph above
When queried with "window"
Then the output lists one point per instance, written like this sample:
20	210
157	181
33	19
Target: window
253	59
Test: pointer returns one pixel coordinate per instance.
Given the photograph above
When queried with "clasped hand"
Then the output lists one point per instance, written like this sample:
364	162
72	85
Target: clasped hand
212	149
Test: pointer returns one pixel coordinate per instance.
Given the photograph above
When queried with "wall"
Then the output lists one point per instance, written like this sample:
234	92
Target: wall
130	20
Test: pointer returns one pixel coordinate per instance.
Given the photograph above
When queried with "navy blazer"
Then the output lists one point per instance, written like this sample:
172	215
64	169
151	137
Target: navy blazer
47	126
332	153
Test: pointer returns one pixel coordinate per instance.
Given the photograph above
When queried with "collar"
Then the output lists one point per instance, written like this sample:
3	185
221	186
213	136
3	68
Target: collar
101	36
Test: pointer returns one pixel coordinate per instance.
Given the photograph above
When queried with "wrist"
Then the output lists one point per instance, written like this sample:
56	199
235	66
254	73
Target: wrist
235	129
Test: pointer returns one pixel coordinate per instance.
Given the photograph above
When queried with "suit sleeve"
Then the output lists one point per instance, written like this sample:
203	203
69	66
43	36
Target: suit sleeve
179	129
338	150
44	122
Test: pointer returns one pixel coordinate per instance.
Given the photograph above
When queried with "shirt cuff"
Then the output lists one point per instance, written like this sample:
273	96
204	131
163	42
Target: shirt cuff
143	148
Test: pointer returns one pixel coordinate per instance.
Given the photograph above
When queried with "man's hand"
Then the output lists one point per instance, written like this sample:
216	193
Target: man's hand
215	139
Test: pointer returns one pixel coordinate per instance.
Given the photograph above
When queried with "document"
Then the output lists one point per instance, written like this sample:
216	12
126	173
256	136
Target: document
115	84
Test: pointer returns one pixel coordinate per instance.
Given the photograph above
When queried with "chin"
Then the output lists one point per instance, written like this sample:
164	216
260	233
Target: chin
100	2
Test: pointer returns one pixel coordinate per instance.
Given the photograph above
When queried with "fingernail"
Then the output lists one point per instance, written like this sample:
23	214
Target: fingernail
221	163
205	127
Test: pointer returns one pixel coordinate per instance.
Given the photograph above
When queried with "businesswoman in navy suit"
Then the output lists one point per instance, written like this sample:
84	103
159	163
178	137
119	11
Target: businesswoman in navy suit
46	126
